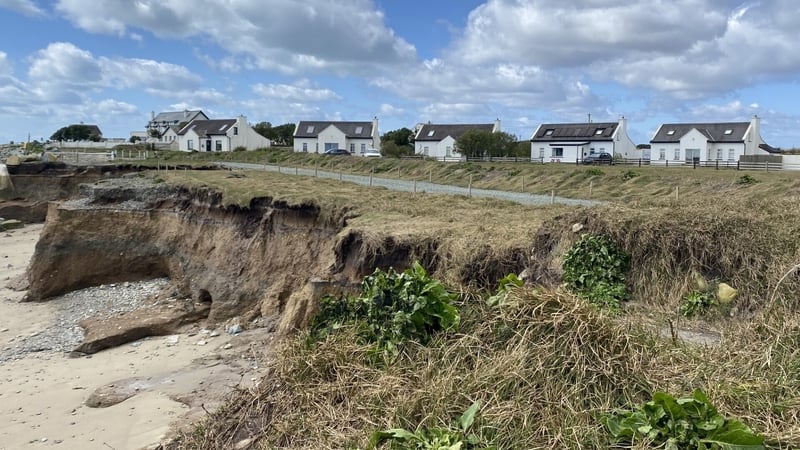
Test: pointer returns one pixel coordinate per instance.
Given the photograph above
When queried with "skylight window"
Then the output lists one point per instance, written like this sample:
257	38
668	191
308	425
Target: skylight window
430	133
599	131
670	132
728	132
359	130
549	132
310	129
223	127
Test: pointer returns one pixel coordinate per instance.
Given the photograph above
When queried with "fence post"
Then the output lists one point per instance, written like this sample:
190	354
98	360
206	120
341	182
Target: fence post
523	183
398	172
295	170
430	175
552	196
340	174
591	187
315	169
676	194
370	176
470	185
737	165
640	162
717	164
415	185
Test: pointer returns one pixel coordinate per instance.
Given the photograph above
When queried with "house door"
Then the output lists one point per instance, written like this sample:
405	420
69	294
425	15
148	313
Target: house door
692	155
331	146
208	145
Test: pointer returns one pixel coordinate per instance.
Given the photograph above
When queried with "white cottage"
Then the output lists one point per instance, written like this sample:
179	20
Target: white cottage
689	143
571	142
161	123
320	136
436	140
221	135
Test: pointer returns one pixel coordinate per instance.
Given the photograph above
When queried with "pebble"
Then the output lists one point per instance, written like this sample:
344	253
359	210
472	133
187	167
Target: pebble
65	334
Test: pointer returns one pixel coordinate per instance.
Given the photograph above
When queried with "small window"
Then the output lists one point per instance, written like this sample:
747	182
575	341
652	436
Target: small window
305	147
541	152
218	145
352	148
549	132
731	155
222	128
670	132
677	156
235	131
599	131
363	148
359	130
662	154
310	129
728	132
190	144
719	153
430	133
557	152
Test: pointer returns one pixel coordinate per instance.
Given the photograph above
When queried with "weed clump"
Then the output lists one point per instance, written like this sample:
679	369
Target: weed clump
595	269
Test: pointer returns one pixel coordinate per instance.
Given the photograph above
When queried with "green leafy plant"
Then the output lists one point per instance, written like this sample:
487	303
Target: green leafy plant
595	268
507	283
746	180
678	424
697	301
457	437
391	308
629	175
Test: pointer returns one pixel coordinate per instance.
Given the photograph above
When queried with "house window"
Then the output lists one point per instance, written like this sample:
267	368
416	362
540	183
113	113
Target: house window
352	148
662	154
591	151
677	155
541	152
557	152
359	130
731	155
310	129
425	151
363	148
549	132
190	144
317	148
728	132
305	147
235	131
218	145
670	132
430	133
448	151
692	154
599	131
719	153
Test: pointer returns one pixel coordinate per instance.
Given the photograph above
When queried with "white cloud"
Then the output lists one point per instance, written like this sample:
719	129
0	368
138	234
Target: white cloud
5	65
62	63
391	110
301	91
283	35
27	7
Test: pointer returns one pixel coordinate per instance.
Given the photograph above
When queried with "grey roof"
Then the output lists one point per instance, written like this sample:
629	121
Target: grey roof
715	132
441	131
180	116
205	128
592	131
311	129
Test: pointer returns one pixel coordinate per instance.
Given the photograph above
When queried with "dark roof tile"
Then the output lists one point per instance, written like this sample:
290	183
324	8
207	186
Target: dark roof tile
436	132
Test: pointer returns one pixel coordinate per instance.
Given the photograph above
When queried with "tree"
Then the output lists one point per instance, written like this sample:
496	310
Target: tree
282	135
392	150
403	137
478	144
73	133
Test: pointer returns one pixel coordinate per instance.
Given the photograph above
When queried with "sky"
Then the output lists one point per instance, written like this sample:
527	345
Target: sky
525	62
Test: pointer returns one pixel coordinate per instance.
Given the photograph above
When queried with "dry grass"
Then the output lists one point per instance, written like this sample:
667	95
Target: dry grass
545	365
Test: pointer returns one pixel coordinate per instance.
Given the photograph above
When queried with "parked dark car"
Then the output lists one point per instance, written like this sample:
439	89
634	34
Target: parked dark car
336	151
599	158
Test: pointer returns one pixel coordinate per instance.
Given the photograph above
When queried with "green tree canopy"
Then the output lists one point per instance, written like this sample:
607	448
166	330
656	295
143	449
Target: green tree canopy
282	135
478	143
402	137
74	133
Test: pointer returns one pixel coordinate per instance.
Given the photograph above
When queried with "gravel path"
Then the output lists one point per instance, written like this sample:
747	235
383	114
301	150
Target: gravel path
66	333
419	186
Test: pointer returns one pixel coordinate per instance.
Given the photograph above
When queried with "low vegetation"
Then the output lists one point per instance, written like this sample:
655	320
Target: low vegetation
547	366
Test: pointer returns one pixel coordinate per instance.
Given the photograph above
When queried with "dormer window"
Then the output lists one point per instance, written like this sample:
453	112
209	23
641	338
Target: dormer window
549	132
599	131
670	132
430	133
728	132
359	130
310	129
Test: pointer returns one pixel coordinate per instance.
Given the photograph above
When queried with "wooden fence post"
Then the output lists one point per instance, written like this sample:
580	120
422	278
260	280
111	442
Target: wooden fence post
470	185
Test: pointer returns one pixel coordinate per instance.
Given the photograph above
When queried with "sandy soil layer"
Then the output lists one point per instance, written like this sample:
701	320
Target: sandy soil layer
42	396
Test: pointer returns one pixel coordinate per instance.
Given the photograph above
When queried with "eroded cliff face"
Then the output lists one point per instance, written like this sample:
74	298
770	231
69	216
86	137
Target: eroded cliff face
269	260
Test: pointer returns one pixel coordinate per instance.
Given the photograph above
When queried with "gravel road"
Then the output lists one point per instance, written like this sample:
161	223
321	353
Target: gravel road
419	186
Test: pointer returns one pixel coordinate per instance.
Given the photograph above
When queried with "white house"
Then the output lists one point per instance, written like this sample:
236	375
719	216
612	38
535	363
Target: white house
319	136
686	143
439	140
571	142
160	123
222	135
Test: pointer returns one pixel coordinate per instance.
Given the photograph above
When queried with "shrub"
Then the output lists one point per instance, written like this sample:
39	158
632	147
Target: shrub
506	284
696	301
454	438
746	180
392	308
629	175
678	424
240	149
595	269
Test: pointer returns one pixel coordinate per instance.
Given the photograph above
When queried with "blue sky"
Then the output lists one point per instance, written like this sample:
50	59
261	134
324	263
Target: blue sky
112	62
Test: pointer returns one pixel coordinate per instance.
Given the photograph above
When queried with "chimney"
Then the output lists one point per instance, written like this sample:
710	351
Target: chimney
376	136
622	129
152	116
496	128
185	113
755	126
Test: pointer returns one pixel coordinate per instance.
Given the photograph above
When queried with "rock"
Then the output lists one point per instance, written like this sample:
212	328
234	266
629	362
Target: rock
13	160
234	329
19	283
243	444
172	340
202	342
576	228
725	293
214	333
699	282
